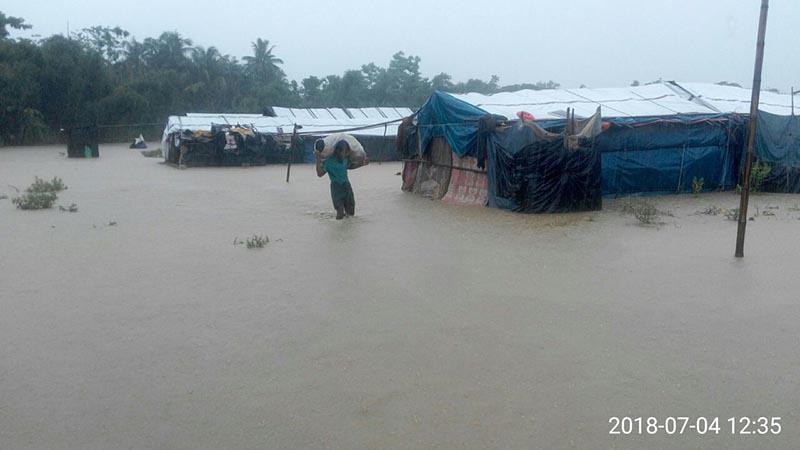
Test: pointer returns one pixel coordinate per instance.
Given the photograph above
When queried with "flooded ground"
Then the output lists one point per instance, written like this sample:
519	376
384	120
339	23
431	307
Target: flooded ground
137	323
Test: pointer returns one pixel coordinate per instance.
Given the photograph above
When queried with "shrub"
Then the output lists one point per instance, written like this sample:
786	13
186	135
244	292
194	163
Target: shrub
697	185
71	208
711	210
35	200
645	212
758	175
257	241
54	185
732	214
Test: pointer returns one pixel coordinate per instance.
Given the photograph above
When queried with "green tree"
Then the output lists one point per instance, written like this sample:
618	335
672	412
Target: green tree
168	51
72	80
107	41
7	22
263	66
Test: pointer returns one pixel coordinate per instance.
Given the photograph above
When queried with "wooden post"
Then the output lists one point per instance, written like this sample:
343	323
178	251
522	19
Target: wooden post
291	152
751	137
419	140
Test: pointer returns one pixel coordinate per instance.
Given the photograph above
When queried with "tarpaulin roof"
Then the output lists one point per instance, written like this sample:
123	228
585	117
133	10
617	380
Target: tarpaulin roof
657	99
733	99
313	120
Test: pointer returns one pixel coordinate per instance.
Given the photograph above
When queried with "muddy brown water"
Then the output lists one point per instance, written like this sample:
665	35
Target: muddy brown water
136	323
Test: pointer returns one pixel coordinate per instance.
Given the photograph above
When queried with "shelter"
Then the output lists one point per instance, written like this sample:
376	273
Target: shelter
467	156
656	138
83	142
375	128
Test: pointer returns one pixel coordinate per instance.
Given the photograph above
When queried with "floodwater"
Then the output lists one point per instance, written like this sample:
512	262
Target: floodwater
137	323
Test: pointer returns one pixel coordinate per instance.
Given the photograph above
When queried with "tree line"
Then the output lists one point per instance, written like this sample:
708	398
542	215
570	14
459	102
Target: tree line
103	75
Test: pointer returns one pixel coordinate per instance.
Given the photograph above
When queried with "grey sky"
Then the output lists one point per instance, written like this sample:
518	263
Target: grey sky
597	43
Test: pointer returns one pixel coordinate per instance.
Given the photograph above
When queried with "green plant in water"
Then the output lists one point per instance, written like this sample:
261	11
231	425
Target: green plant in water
732	214
40	185
646	212
697	185
71	208
35	200
758	175
256	241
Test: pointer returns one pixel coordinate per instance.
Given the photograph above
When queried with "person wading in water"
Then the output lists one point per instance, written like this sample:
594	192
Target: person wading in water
336	167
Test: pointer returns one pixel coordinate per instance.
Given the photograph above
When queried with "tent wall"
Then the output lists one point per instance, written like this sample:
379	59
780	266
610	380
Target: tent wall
534	171
209	150
432	177
639	155
778	145
81	138
468	185
664	155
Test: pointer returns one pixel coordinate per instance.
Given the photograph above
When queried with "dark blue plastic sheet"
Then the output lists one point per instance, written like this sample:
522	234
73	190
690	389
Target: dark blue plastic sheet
778	144
640	155
535	174
665	154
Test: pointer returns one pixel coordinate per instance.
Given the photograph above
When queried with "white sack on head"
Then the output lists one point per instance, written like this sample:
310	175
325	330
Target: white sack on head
357	156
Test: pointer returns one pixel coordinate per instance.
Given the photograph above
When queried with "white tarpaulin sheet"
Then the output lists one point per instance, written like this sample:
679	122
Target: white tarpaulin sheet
658	99
732	99
313	120
633	101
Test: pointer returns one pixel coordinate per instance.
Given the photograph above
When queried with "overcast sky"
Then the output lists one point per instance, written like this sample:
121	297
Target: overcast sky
597	43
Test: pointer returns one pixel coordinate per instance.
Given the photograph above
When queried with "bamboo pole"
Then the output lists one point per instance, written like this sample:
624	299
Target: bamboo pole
751	137
291	151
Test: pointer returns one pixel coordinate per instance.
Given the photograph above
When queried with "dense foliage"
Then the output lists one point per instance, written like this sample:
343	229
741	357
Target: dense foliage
102	75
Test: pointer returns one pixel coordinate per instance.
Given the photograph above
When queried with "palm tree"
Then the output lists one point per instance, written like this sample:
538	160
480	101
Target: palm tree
168	51
135	53
263	65
208	62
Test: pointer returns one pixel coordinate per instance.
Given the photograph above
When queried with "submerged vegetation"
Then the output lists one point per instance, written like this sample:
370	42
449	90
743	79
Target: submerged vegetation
255	241
644	210
35	200
697	185
41	194
40	185
758	175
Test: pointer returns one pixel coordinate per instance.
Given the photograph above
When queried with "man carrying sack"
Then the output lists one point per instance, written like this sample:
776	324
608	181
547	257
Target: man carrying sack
335	155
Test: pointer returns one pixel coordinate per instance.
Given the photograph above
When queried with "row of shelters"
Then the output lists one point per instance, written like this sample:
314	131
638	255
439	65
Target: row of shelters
225	139
544	151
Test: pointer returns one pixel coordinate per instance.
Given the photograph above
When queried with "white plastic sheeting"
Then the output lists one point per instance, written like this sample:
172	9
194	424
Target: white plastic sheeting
658	99
313	120
737	100
633	101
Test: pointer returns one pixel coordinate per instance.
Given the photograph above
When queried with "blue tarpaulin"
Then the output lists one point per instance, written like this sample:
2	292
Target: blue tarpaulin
456	120
665	154
778	144
643	155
